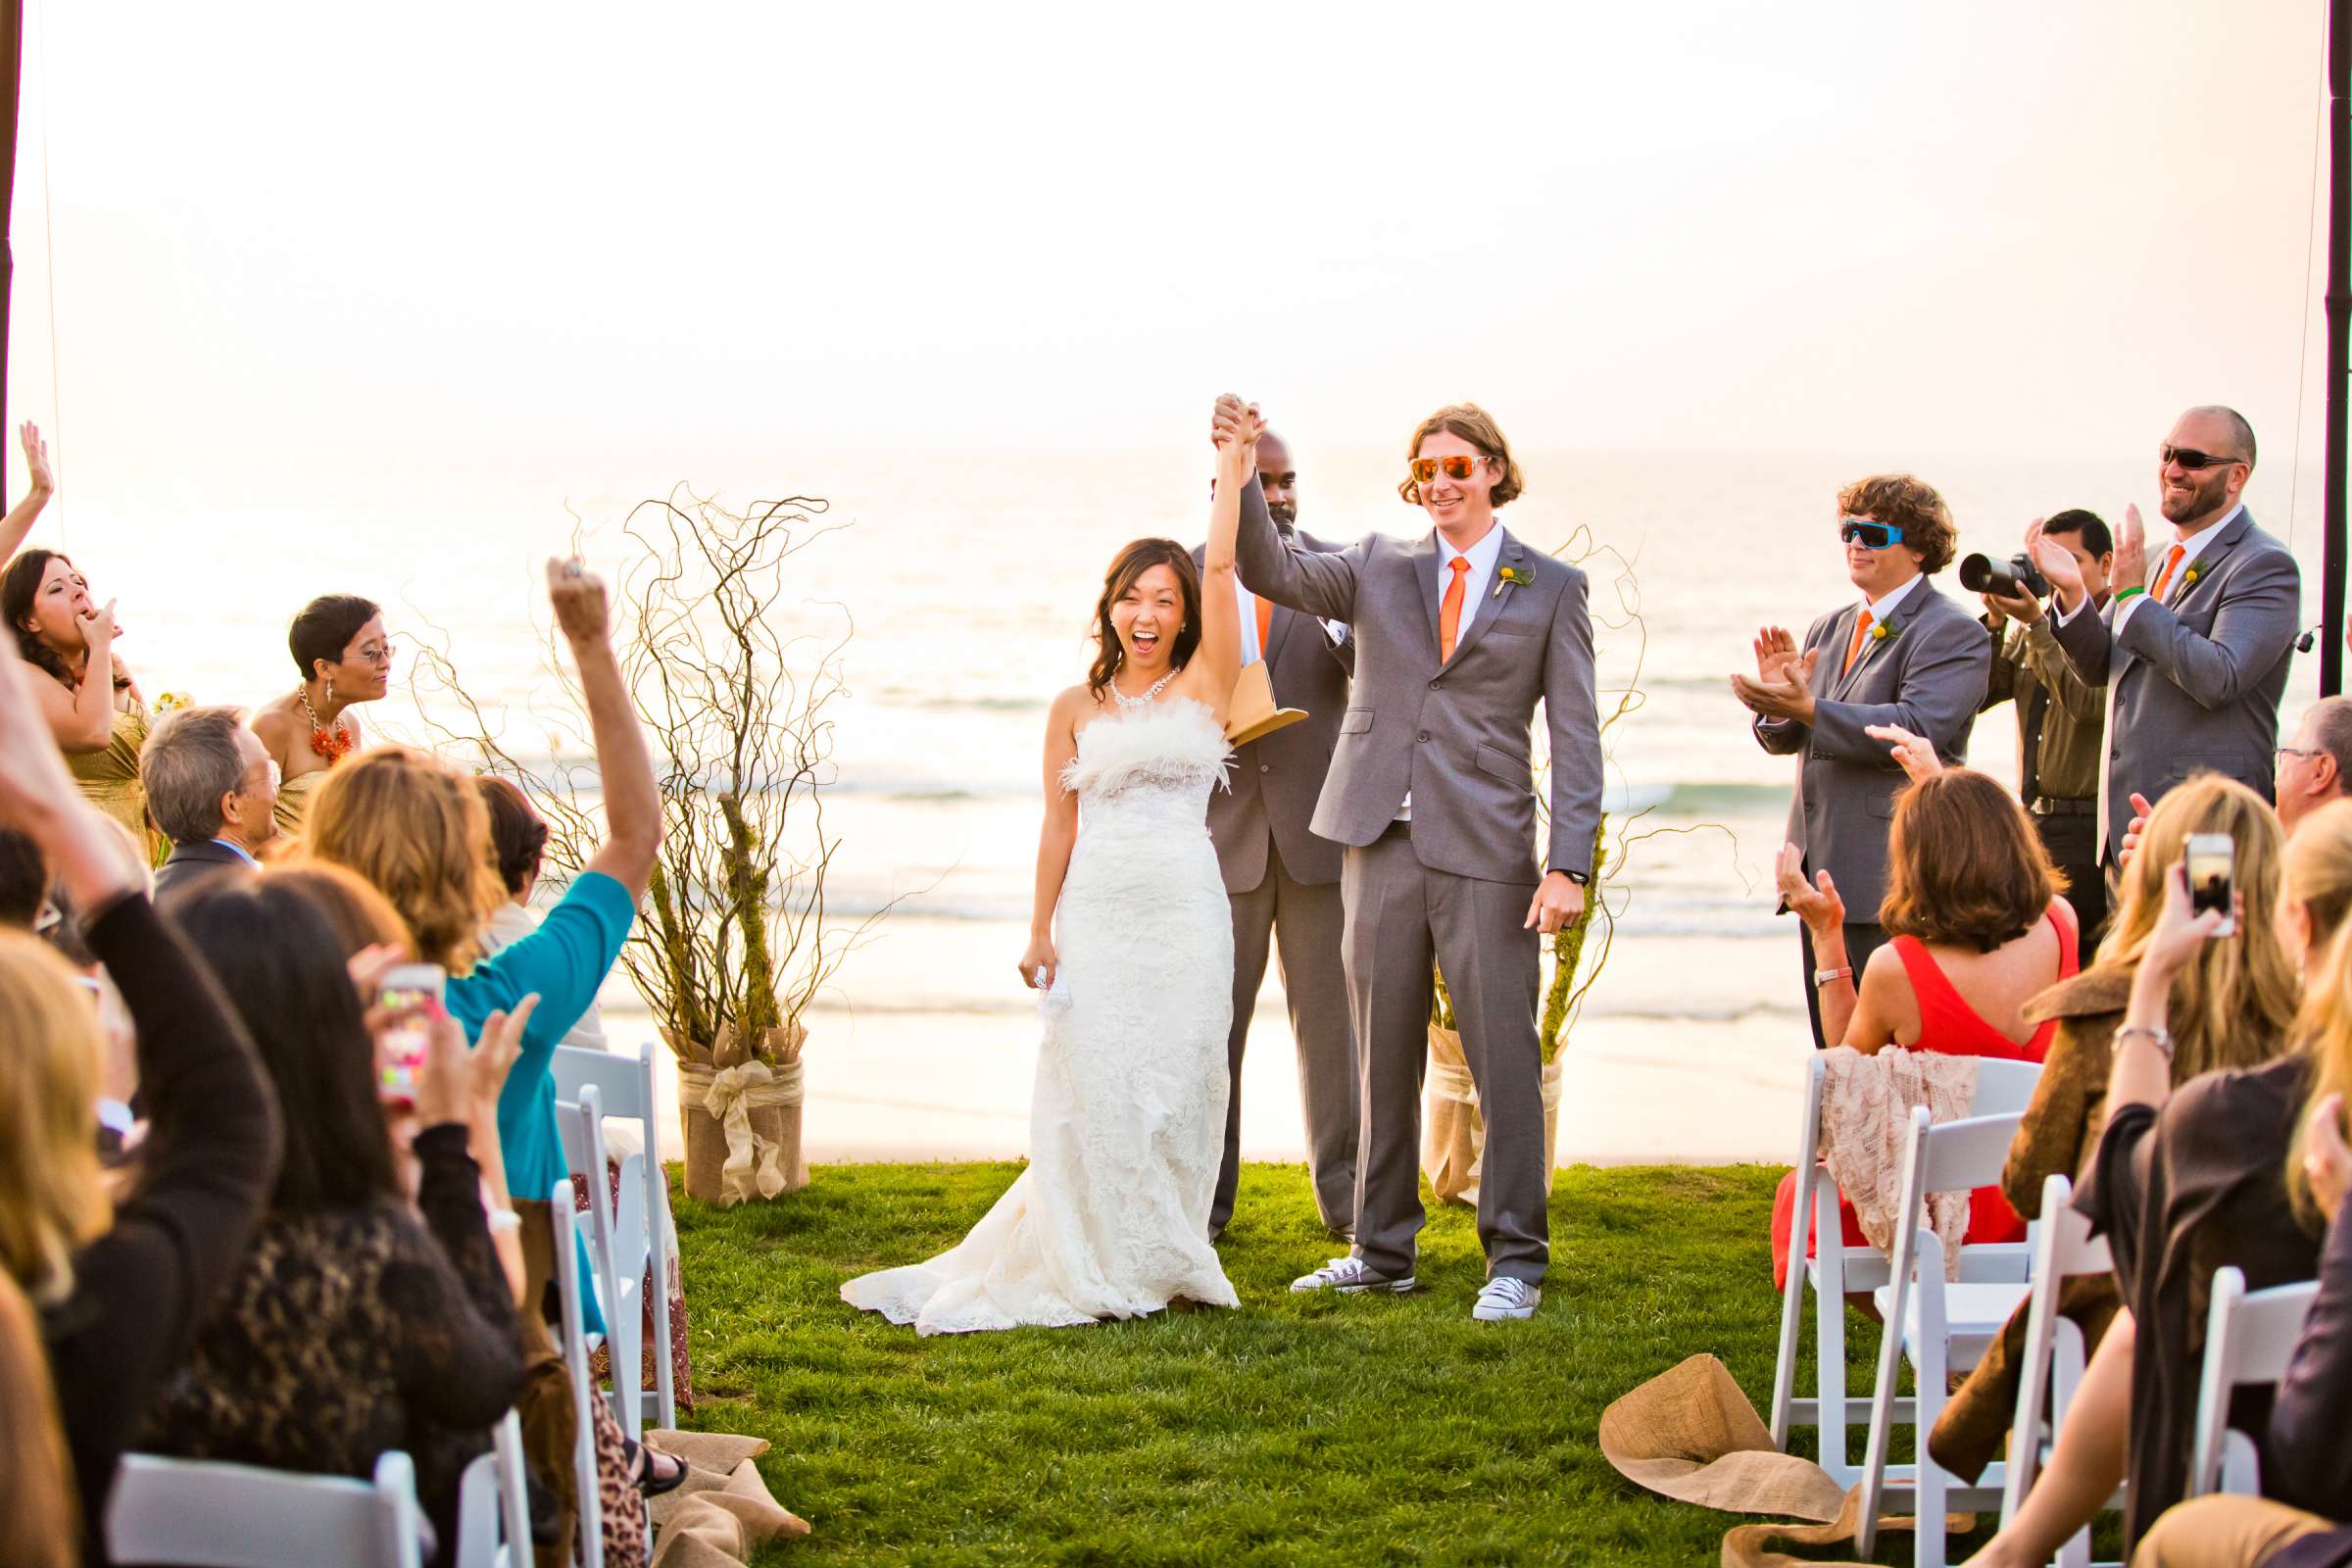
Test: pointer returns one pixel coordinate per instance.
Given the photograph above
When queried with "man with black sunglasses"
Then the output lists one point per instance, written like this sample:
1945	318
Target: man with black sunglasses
2195	660
1905	657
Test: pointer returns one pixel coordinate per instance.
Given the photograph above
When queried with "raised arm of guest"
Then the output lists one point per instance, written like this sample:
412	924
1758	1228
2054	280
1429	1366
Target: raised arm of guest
138	1291
41	485
624	765
2306	1462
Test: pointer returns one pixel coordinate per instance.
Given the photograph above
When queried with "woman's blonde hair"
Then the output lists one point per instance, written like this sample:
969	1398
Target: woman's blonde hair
52	1202
2233	1005
2319	876
40	1526
416	831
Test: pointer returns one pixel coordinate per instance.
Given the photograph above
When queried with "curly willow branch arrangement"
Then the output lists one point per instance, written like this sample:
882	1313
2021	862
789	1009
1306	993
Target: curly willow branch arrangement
734	945
1574	971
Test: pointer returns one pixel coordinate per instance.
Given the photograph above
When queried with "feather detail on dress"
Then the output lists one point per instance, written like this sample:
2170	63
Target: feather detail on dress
1162	743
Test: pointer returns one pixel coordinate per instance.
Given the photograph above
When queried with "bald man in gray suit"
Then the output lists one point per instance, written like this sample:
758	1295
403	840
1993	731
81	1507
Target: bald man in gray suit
1458	636
1284	878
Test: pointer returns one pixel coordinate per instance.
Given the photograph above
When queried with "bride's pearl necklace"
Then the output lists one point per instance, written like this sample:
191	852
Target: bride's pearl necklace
1130	703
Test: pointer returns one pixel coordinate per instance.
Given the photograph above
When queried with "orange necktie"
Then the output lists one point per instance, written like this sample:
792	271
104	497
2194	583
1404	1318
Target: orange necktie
2172	558
1450	614
1265	623
1854	650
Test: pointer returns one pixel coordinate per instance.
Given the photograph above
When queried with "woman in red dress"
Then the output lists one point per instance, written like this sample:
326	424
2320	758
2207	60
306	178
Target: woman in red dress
1980	928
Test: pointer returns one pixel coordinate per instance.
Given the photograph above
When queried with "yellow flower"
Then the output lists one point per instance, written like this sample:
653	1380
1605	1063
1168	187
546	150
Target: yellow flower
170	701
1881	631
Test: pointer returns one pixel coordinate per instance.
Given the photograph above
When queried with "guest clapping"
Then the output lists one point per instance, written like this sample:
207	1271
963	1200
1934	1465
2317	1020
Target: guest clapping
1979	928
1905	655
95	712
345	656
122	1291
211	792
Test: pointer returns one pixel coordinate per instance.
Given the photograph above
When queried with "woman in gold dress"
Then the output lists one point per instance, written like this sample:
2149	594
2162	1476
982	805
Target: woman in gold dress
345	656
93	706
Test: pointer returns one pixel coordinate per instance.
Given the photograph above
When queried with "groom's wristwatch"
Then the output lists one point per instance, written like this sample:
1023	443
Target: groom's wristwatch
1580	878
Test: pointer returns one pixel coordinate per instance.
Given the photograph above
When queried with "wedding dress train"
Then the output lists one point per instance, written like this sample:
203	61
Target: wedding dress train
1127	1122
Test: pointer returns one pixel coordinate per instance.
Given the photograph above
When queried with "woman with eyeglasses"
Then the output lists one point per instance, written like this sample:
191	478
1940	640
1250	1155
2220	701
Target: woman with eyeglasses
345	656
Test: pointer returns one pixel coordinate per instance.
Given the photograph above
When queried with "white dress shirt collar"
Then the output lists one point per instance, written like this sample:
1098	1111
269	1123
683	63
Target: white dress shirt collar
1887	604
2192	546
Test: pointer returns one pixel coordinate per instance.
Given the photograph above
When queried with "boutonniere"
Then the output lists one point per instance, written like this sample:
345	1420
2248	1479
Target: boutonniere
1881	631
1510	575
2189	578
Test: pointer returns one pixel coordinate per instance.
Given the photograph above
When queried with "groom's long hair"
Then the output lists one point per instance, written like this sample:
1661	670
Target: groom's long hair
1129	565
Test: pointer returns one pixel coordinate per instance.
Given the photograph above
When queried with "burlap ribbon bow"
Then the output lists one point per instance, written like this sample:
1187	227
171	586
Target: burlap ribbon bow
754	1164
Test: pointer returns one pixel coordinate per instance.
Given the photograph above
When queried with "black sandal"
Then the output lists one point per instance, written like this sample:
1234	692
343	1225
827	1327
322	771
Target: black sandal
645	1475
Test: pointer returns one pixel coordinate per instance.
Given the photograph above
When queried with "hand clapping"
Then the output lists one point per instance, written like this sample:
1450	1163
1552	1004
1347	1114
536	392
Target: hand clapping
1782	687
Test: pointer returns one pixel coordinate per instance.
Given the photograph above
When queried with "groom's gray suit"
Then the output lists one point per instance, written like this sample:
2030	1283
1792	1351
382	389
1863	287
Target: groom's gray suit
1453	887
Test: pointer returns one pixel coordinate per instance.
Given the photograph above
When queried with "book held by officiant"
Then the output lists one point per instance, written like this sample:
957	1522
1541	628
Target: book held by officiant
1251	713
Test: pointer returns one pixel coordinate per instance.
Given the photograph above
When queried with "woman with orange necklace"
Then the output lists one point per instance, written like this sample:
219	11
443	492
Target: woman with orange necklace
345	656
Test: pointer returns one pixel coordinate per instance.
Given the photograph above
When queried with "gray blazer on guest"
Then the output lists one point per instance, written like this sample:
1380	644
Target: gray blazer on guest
1278	778
2198	677
1455	734
1928	674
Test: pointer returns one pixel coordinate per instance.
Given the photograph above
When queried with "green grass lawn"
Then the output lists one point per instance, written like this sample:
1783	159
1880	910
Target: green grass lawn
1300	1429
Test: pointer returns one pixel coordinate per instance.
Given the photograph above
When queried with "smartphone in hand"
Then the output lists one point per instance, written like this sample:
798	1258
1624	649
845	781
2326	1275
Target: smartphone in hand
2210	878
402	1046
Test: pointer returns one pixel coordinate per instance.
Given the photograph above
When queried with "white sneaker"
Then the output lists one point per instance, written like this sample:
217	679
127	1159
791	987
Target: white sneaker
1350	1276
1504	1299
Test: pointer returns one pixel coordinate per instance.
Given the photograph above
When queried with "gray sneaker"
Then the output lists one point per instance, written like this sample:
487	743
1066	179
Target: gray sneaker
1505	1299
1350	1276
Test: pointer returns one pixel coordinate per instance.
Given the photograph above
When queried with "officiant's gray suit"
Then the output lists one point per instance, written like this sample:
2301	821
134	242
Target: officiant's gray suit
1283	881
1453	887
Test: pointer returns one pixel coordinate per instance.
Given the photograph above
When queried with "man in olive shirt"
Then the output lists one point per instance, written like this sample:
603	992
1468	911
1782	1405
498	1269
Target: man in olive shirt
2059	720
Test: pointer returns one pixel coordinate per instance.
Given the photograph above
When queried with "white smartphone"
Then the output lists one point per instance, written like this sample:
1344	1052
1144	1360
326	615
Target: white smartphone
407	985
2211	862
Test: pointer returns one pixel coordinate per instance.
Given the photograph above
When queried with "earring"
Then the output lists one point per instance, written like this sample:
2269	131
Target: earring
330	688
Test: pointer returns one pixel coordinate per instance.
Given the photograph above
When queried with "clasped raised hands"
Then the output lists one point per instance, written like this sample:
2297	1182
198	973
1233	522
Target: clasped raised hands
1784	685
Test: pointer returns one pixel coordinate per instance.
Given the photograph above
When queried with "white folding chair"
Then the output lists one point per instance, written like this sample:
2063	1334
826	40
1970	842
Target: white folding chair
574	1344
617	1289
1837	1269
2054	1354
642	1232
491	1495
1941	1328
2249	1338
210	1515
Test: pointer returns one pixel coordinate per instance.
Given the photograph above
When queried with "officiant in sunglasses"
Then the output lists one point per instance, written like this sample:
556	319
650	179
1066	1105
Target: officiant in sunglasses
1899	655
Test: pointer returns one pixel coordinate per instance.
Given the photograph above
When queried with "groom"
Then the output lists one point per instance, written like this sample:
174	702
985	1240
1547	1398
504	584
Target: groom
1432	789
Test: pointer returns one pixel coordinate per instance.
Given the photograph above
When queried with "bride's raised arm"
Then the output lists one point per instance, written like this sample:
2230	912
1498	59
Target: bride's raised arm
1217	663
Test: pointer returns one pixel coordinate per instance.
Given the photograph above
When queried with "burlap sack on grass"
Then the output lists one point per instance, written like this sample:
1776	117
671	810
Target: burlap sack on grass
722	1512
1691	1435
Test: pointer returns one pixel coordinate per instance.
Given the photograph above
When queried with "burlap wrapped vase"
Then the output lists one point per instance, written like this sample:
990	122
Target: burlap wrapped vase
740	1111
1453	1136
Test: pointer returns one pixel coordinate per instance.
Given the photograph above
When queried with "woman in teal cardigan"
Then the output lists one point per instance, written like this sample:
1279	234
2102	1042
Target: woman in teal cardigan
417	829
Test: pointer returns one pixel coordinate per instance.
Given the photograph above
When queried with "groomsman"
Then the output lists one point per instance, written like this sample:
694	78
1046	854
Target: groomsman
1283	879
2195	661
1905	656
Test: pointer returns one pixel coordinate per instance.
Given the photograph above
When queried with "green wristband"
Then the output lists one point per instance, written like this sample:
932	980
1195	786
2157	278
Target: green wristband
2121	594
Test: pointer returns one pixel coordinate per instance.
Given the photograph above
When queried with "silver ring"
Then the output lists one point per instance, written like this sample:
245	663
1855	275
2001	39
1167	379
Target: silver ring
572	567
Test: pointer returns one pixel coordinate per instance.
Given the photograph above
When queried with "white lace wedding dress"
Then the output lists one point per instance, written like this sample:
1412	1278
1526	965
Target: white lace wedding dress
1127	1123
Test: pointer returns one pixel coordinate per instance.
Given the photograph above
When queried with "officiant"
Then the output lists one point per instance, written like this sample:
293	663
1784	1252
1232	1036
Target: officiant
1283	881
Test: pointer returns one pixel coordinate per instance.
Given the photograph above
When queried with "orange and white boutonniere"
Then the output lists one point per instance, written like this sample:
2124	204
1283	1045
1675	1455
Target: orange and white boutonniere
1509	575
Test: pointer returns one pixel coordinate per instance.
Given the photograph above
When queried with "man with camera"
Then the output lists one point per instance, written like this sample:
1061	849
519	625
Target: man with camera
2060	719
2194	660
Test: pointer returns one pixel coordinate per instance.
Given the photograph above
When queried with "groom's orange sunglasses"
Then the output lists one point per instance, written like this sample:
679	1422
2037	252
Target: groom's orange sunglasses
1424	469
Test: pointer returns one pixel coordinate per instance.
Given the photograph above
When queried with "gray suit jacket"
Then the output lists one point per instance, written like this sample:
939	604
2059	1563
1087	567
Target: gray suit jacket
1278	778
1455	735
192	864
2198	678
1928	674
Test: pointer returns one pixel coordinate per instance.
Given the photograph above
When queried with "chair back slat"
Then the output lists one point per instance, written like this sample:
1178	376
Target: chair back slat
211	1515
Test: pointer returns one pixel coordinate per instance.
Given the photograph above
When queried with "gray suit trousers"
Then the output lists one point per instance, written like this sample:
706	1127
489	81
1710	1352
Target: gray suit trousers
1402	916
1306	924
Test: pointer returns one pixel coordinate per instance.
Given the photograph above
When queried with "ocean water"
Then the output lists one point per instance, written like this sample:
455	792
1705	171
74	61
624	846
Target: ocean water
968	579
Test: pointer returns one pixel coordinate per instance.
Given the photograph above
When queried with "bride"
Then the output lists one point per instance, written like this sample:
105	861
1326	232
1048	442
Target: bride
1127	1121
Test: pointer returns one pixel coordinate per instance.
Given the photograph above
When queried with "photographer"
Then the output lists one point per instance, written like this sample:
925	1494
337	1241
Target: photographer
2059	720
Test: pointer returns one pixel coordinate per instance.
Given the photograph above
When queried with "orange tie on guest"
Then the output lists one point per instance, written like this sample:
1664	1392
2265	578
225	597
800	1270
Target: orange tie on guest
1265	623
2163	578
1450	614
1854	650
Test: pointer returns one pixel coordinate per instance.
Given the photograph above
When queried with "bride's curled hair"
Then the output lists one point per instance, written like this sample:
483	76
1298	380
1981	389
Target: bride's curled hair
1126	570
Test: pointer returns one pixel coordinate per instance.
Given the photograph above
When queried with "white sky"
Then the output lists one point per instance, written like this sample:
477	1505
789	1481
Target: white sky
298	230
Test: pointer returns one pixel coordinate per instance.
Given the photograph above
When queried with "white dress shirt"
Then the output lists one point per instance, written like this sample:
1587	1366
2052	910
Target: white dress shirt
1476	584
1887	604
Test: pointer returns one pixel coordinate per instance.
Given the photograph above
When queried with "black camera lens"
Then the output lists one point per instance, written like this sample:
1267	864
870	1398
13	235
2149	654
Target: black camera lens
1979	575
